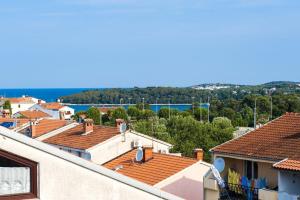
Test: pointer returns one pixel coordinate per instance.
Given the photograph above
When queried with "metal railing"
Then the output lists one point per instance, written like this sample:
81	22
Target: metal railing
238	192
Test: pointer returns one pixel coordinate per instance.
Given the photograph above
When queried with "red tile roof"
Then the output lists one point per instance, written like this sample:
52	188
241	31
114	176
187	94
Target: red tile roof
277	140
20	100
288	164
157	169
106	109
75	138
47	125
35	114
52	106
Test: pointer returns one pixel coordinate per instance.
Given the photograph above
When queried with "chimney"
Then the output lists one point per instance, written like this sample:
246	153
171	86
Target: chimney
147	153
88	126
33	128
119	122
198	154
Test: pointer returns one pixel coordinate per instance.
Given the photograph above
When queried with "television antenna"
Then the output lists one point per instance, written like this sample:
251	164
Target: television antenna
123	128
217	168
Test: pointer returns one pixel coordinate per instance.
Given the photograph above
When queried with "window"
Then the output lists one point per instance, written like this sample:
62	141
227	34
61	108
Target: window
251	170
18	177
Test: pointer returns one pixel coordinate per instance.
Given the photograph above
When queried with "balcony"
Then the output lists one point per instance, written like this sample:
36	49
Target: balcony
238	192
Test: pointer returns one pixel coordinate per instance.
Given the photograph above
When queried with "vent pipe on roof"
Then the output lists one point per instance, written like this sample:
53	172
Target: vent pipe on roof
199	154
88	126
147	153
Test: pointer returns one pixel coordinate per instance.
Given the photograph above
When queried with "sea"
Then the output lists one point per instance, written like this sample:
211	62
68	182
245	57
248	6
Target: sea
52	94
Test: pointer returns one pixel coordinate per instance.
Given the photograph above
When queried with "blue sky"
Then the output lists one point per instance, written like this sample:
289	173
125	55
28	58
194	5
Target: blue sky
125	43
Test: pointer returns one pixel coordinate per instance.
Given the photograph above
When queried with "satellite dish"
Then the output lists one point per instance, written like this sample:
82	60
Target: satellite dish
219	164
123	128
139	155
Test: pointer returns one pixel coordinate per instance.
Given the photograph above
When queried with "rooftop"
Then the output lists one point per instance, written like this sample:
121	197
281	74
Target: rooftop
75	137
47	125
33	114
275	141
52	106
20	100
288	164
151	172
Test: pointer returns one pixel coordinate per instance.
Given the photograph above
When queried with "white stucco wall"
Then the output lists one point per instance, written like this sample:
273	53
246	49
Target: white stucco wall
116	146
16	107
63	176
66	109
188	183
289	182
54	114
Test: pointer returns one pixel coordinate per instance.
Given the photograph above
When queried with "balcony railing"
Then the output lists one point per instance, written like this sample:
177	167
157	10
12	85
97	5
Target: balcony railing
238	192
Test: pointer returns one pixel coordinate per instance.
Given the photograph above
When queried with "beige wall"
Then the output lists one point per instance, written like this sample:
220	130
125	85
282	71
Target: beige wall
267	170
60	179
188	183
264	170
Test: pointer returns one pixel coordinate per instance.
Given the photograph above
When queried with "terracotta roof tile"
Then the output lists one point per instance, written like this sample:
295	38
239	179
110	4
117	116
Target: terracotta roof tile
288	165
20	100
151	172
106	109
52	106
33	114
277	140
75	137
47	125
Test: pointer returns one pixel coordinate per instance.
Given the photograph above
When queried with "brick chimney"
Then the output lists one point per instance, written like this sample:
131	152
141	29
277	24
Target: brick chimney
33	129
147	153
119	122
198	153
88	126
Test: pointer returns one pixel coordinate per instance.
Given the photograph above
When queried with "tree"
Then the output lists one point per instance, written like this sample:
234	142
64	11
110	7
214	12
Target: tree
94	113
134	112
7	105
119	113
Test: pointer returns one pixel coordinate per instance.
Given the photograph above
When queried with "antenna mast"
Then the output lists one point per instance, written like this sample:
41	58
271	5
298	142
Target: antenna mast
254	114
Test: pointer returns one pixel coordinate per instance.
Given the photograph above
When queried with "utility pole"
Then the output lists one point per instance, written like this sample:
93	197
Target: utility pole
271	106
254	114
143	103
200	110
169	110
193	105
208	110
156	105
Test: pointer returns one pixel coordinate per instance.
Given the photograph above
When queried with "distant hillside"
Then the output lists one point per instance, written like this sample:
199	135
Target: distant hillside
181	95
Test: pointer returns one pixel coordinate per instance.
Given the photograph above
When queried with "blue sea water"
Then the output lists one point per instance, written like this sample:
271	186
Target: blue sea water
52	94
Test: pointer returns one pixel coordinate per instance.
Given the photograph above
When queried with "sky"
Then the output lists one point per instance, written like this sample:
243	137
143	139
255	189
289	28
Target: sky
126	43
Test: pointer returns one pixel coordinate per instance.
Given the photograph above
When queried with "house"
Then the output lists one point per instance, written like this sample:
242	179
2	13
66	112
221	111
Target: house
100	143
31	114
37	128
263	162
104	110
177	175
35	170
55	109
21	103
